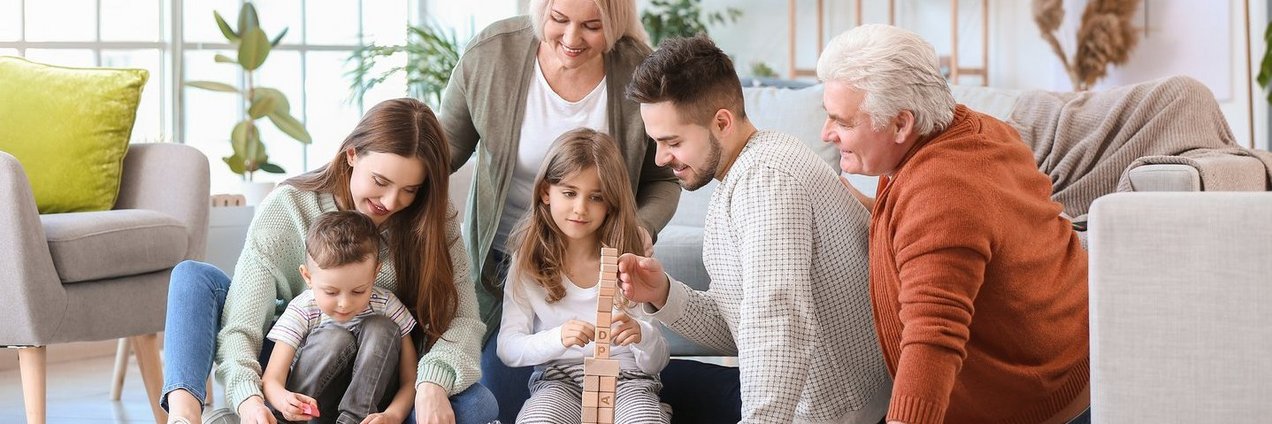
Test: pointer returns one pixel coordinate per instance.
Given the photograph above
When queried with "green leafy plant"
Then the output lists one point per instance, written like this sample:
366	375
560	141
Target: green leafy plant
1265	66
762	70
682	18
260	102
431	55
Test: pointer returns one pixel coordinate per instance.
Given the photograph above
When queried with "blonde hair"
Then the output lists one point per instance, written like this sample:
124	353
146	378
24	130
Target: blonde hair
540	244
618	20
896	69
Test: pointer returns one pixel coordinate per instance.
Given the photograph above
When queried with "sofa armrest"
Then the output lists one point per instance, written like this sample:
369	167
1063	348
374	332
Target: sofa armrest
1200	172
1179	288
1164	177
173	179
33	300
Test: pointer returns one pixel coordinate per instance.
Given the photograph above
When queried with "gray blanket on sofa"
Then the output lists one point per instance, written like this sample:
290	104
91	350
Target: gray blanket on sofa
1088	141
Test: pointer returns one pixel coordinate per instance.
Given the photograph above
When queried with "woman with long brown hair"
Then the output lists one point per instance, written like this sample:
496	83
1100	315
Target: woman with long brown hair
392	168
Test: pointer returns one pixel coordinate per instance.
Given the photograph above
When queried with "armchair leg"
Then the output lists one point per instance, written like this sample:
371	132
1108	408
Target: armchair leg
147	349
31	360
121	369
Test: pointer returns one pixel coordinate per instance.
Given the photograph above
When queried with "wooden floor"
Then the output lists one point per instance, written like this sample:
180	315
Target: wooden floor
79	392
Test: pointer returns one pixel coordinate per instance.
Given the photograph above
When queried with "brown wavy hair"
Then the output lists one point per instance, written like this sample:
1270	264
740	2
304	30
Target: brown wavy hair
340	238
540	244
416	235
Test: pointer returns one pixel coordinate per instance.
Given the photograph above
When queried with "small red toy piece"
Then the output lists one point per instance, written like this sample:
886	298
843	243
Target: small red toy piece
309	410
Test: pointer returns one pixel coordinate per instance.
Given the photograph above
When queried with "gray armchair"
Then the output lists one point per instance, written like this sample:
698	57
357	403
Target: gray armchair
91	276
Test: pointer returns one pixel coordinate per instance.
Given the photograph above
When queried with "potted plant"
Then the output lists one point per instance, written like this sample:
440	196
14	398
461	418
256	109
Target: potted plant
431	55
259	102
681	18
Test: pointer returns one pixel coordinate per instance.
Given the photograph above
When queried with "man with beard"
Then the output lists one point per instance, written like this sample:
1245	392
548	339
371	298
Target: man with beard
784	245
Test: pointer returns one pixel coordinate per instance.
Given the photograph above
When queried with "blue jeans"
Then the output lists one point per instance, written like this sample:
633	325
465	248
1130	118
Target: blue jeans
196	295
701	393
510	386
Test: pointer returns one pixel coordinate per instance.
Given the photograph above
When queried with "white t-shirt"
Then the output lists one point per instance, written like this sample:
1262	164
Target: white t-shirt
547	117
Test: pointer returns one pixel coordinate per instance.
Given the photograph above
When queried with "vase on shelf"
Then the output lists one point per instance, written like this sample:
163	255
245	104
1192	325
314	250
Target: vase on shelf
256	191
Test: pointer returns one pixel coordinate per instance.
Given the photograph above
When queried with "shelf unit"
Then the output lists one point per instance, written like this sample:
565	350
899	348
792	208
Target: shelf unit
951	62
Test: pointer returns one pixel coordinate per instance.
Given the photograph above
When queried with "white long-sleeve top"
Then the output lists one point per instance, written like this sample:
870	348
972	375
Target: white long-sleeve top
531	329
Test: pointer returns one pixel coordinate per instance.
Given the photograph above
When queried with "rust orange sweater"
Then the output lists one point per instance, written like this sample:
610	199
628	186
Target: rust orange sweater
979	287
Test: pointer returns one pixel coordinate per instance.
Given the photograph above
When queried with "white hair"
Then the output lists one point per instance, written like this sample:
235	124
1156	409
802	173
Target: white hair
618	19
896	70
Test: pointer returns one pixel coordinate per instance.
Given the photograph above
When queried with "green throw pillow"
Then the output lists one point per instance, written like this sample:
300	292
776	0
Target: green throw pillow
69	127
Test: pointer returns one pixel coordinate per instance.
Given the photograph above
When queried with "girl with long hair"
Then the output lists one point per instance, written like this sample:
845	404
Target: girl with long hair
582	201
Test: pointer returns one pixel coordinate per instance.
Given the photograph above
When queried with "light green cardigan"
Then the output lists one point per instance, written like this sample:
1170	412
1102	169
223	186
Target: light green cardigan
267	276
482	112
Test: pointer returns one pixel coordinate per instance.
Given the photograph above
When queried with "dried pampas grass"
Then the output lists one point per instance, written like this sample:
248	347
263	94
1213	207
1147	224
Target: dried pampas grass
1105	37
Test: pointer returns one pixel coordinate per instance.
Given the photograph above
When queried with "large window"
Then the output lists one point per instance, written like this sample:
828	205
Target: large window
176	41
112	33
308	66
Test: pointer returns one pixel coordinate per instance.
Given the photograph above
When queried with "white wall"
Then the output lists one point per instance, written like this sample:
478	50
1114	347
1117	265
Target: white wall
1018	56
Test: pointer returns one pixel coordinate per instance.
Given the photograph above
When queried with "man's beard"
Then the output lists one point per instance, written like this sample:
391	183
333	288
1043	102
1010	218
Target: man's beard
709	168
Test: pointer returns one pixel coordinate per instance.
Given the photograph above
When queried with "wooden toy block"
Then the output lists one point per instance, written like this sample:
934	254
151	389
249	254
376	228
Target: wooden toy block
607	269
607	384
604	303
601	367
604	320
591	383
602	351
605	415
589	416
605	399
609	260
602	334
590	400
608	291
609	251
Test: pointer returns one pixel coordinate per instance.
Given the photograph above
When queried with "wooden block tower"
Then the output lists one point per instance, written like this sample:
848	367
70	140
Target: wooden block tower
600	373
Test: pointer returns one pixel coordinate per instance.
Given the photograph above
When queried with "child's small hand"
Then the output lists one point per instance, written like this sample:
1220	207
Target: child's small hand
298	407
577	333
382	418
625	330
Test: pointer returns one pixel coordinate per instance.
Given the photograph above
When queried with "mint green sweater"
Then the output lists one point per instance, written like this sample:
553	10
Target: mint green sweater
268	275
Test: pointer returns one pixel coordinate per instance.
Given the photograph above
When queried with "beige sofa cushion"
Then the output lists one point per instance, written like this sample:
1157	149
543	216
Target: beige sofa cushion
94	245
797	112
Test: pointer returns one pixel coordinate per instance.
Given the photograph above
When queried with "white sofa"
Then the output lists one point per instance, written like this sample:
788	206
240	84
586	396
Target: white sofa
1180	323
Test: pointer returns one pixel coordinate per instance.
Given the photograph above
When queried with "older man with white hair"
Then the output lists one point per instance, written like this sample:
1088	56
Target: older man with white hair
979	286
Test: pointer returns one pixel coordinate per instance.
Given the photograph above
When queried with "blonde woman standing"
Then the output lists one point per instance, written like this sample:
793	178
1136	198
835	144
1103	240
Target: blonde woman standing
521	83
